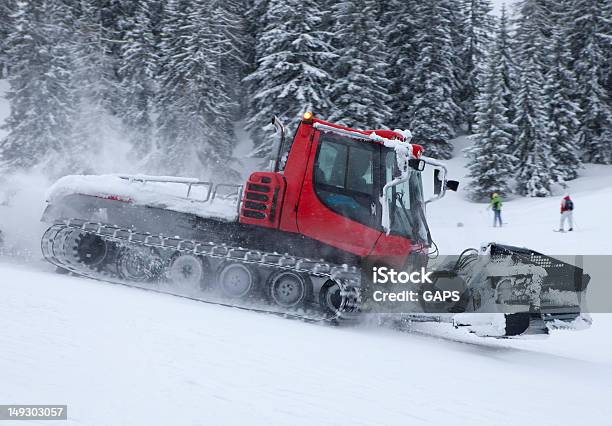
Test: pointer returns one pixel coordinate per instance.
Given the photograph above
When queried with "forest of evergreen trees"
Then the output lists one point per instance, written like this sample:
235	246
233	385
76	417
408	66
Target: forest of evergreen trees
173	77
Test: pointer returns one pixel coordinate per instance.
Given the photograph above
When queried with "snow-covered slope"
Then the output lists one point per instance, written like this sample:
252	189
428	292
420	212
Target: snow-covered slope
118	356
529	221
123	356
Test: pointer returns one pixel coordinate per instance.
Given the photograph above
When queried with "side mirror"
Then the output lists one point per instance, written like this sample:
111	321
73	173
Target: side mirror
416	164
437	182
452	185
440	182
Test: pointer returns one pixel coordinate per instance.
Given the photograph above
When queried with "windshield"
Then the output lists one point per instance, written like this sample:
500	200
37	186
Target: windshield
406	203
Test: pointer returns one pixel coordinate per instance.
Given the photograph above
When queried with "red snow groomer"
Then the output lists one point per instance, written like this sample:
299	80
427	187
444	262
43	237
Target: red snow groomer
302	239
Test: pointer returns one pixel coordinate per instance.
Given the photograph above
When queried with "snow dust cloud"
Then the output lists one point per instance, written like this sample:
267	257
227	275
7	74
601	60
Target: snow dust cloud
21	205
22	194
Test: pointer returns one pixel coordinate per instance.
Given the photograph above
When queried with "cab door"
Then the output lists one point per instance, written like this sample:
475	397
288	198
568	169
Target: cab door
339	199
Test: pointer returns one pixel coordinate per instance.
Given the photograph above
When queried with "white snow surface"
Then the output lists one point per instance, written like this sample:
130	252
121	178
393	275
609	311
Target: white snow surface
122	356
171	195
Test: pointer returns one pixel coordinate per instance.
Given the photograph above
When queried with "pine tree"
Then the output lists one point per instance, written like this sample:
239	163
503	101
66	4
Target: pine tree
590	43
360	92
491	162
533	144
255	25
458	35
400	35
111	15
39	125
477	35
223	32
157	10
172	87
138	72
563	110
606	13
291	77
195	134
97	89
433	109
507	64
232	45
7	8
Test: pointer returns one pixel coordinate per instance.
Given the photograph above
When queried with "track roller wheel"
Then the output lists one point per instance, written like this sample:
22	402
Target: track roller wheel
236	280
188	270
90	249
289	289
138	264
330	298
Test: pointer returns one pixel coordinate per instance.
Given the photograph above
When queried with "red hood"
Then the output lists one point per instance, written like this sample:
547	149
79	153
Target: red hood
566	198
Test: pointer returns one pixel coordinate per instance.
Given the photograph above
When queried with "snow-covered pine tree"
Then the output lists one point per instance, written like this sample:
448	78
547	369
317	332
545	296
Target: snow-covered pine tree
458	36
232	45
112	15
563	110
97	89
7	8
39	125
491	162
433	109
477	32
533	144
174	35
293	55
399	37
194	111
222	30
255	24
137	71
590	37
156	11
360	91
606	11
503	43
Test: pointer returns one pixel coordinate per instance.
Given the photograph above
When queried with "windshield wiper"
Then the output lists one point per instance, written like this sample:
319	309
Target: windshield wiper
414	223
424	219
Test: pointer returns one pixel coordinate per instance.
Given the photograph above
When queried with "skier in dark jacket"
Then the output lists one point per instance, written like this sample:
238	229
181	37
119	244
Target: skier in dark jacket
496	205
567	207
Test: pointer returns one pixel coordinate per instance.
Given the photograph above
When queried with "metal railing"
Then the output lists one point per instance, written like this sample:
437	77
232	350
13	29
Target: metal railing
212	190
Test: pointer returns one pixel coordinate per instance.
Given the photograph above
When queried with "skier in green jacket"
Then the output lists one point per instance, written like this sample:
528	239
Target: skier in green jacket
496	205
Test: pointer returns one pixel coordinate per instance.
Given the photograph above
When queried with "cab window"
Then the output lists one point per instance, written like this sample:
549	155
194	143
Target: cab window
344	177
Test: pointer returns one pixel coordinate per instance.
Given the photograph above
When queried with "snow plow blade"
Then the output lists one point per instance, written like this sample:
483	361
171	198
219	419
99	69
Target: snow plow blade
517	291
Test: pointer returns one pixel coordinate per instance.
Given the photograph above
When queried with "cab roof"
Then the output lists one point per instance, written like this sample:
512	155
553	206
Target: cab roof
383	137
385	133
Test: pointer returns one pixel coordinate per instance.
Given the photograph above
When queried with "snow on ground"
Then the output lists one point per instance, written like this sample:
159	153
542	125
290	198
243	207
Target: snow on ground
117	355
529	222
